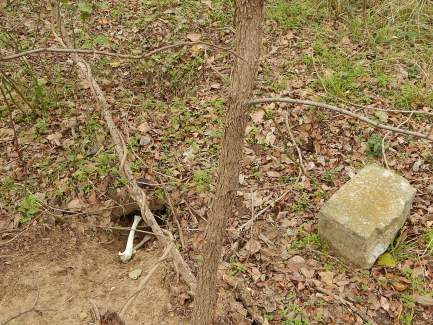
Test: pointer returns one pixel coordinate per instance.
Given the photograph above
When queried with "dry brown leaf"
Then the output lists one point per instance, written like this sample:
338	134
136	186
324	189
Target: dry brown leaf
257	116
423	300
253	246
273	174
384	303
327	277
193	37
75	204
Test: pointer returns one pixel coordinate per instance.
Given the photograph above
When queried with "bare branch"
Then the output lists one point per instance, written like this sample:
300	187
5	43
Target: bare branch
386	135
55	50
341	111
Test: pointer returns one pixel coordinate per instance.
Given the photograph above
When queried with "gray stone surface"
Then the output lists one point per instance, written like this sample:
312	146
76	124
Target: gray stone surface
362	218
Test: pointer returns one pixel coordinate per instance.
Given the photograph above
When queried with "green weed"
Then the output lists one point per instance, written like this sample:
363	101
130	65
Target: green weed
236	267
328	176
41	126
305	239
300	203
39	94
202	181
415	282
28	207
374	145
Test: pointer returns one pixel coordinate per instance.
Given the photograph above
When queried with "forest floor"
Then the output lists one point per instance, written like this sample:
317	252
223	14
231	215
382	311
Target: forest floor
58	238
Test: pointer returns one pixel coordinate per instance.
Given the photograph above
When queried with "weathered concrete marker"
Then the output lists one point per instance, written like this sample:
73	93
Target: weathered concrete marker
361	219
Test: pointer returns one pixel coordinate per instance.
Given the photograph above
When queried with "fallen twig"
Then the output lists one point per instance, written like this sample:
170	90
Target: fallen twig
292	159
15	237
301	164
95	312
341	111
348	304
119	144
384	139
245	296
247	225
67	50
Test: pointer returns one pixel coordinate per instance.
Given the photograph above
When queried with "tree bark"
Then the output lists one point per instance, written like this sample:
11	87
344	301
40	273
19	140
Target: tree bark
248	20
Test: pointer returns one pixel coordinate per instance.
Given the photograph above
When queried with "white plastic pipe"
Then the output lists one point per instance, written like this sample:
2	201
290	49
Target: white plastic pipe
126	255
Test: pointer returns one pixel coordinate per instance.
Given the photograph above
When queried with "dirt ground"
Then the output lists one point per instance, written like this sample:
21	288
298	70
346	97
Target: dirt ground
66	269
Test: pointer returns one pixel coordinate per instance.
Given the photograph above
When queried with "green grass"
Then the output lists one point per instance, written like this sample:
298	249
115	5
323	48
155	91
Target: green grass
293	14
387	52
28	207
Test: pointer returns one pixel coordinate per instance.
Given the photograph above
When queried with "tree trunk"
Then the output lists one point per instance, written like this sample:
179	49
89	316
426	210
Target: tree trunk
249	17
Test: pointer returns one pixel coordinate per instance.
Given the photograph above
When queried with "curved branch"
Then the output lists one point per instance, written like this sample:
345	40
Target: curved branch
56	50
341	111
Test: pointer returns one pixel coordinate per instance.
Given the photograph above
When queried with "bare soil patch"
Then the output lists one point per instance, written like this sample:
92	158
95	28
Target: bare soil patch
68	268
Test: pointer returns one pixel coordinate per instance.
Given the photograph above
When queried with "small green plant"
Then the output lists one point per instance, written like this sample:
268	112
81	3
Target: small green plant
105	162
38	94
374	145
28	207
3	111
300	203
383	79
285	179
251	138
202	181
258	175
406	319
408	96
319	194
415	281
85	10
329	266
92	126
293	314
328	176
269	317
236	267
199	259
80	175
159	193
407	300
6	185
306	239
41	126
269	114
